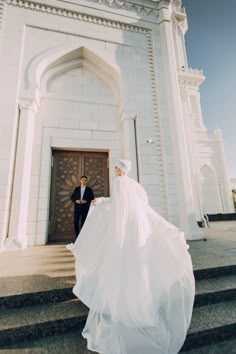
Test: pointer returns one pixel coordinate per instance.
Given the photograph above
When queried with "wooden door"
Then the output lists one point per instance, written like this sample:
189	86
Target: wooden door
67	168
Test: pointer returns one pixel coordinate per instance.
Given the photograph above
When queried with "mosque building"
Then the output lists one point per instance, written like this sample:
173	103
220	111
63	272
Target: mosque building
84	83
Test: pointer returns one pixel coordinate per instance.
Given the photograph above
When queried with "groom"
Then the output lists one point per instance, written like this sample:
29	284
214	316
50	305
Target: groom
81	197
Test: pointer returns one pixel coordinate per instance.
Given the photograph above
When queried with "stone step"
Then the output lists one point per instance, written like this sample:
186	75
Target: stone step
207	273
34	290
36	298
67	343
225	347
213	290
74	343
210	324
39	321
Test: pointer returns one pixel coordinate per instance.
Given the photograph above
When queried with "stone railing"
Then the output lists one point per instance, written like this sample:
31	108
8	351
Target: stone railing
190	76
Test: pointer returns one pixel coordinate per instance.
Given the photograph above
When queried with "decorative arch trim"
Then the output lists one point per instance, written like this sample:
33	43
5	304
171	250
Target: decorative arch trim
209	167
76	15
59	56
80	63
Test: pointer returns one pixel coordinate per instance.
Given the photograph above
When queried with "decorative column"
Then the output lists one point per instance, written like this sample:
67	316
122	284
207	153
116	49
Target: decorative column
130	143
3	6
17	237
223	179
3	10
172	91
189	81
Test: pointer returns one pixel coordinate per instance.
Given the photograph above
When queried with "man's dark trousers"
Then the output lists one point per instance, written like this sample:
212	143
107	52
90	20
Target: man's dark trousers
81	210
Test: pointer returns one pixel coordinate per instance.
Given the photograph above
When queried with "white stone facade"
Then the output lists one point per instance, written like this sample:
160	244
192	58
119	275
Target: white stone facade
102	76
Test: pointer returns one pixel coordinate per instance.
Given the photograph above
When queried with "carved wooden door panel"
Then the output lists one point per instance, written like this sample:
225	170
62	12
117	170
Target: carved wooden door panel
68	167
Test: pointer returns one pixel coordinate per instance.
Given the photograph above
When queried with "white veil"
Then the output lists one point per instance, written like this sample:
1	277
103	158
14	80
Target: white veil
135	274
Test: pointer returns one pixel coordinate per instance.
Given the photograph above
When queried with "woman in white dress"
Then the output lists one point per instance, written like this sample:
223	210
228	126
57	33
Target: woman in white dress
134	272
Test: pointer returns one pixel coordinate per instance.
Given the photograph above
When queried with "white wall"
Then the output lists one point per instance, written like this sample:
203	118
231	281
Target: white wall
85	82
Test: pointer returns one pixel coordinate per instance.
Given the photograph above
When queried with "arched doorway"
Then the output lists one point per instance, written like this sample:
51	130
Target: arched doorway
79	111
78	100
210	191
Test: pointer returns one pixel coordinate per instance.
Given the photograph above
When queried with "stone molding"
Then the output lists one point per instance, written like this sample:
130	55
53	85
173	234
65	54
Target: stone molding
128	119
2	14
157	134
76	15
126	5
218	134
189	76
178	11
28	104
178	16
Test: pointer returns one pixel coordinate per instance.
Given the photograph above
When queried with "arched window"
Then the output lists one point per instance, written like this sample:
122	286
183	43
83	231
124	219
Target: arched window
211	194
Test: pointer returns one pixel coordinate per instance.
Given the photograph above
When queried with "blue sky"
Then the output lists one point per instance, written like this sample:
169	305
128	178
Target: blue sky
211	46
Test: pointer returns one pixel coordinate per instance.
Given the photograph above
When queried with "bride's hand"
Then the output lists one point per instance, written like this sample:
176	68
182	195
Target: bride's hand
94	202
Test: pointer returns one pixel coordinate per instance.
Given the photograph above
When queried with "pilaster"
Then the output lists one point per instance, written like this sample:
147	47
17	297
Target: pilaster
224	182
182	171
3	7
130	143
21	187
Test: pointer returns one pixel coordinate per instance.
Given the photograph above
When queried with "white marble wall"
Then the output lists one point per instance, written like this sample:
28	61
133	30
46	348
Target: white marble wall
76	81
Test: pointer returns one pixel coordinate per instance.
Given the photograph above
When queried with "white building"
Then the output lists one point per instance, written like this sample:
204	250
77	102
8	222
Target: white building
84	83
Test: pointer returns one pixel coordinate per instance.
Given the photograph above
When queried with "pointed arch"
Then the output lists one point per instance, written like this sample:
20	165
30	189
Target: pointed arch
60	69
211	196
207	172
61	57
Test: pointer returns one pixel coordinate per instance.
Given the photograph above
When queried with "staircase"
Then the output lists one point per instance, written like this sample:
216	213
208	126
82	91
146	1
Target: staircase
214	314
50	320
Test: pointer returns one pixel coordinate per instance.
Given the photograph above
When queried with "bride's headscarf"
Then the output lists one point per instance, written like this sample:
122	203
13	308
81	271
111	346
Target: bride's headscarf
124	165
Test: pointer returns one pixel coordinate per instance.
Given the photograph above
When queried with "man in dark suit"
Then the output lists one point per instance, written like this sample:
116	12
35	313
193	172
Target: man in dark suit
81	197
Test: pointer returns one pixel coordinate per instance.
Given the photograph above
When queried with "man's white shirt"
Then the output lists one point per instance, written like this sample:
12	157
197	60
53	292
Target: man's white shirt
82	189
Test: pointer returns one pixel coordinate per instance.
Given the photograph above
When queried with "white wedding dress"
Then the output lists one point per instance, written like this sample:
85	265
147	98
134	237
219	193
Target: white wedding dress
134	272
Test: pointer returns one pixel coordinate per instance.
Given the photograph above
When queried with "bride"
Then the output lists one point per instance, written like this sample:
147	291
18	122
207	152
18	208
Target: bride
134	272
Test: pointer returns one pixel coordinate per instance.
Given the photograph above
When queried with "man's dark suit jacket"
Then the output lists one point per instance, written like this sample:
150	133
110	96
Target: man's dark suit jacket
88	195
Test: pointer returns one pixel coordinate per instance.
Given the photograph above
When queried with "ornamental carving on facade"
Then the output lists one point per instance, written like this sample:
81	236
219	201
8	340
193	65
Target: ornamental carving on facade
54	10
